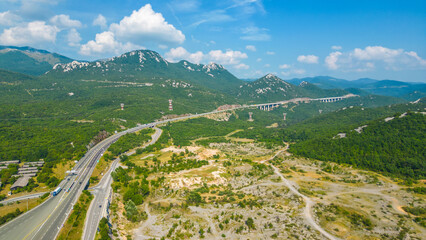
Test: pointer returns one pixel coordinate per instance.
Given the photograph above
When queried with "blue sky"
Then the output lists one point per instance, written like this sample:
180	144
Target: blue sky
345	39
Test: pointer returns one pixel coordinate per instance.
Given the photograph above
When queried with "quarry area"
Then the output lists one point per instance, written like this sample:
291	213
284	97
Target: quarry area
244	190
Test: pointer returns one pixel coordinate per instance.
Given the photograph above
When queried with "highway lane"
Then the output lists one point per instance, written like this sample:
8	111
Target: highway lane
48	217
99	206
17	229
26	225
45	220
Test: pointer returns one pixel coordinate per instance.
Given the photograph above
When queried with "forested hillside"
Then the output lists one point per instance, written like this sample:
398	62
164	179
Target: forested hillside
396	147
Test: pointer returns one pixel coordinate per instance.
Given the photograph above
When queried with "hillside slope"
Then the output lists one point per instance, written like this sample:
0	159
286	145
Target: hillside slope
393	145
272	88
145	66
29	60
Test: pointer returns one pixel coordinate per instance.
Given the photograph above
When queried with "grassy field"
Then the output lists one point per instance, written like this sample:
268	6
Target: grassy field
73	227
22	205
61	168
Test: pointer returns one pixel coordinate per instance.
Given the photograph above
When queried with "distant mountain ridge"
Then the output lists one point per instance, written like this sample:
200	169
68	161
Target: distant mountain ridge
273	88
407	90
147	66
29	60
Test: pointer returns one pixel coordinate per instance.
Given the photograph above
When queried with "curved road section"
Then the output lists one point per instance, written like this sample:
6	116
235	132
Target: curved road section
45	221
99	206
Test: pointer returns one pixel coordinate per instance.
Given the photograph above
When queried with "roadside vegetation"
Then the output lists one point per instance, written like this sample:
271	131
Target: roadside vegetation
12	210
74	225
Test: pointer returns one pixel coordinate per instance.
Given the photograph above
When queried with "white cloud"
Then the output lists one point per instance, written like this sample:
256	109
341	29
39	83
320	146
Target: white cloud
255	34
372	57
331	60
377	53
180	53
251	48
336	47
229	57
64	21
267	65
270	53
73	38
258	60
9	19
284	66
100	20
307	59
31	33
242	66
146	25
106	43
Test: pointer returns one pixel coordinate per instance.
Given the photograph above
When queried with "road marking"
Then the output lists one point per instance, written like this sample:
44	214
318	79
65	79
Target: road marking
42	223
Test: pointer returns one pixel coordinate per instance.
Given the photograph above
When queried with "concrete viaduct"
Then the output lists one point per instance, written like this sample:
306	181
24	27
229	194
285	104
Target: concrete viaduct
270	106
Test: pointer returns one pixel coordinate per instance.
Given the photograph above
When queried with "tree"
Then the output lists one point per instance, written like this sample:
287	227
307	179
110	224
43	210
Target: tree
132	212
250	223
104	229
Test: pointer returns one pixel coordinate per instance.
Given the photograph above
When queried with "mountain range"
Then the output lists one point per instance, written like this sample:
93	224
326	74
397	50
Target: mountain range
364	86
149	67
29	60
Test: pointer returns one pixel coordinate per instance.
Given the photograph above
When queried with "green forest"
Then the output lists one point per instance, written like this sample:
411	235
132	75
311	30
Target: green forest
396	147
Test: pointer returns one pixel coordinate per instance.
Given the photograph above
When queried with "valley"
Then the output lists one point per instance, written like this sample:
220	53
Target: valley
227	159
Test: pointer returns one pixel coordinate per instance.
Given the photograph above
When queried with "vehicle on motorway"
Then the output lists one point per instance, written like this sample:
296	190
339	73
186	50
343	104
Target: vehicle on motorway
70	187
56	191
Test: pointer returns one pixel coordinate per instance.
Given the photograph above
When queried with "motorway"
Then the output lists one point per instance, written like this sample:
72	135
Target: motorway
99	206
46	220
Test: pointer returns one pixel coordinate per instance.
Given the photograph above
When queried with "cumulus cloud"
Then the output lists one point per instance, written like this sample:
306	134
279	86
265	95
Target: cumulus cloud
284	66
64	21
336	47
372	57
270	53
100	20
31	33
229	57
180	53
251	48
377	53
106	43
331	60
9	19
307	59
73	38
146	25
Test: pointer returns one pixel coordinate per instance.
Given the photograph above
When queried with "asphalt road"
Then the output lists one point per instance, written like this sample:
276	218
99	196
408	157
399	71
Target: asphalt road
99	206
45	221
